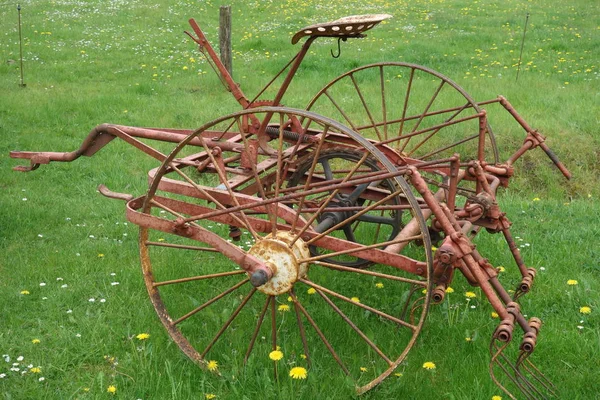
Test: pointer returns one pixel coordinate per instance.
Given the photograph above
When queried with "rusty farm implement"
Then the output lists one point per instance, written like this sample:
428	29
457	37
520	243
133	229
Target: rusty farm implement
274	227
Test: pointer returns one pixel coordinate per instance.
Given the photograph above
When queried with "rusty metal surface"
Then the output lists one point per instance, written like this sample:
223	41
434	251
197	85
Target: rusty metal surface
270	177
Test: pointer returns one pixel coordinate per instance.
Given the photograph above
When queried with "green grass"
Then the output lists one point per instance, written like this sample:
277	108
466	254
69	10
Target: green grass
93	62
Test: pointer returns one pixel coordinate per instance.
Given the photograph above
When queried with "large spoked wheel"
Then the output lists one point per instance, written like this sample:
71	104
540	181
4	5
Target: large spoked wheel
216	211
416	111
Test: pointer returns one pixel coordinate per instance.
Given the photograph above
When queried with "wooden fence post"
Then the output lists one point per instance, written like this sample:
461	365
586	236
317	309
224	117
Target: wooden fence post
225	37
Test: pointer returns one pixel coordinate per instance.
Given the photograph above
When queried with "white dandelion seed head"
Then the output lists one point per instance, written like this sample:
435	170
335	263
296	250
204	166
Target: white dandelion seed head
92	300
20	358
102	300
42	283
41	379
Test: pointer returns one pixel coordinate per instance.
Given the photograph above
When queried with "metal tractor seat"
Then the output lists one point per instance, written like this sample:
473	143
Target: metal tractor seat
346	27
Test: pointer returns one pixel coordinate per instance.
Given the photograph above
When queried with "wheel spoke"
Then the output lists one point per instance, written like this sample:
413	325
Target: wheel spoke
354	327
208	303
422	142
416	126
340	110
301	328
259	322
421	284
348	300
311	171
383	105
228	322
256	175
225	182
180	246
320	334
198	278
364	103
405	106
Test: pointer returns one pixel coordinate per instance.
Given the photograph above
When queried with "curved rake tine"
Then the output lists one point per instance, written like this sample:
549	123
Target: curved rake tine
412	291
505	365
416	305
523	357
495	352
541	377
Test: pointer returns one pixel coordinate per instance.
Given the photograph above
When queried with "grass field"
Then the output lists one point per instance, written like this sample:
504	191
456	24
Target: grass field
72	298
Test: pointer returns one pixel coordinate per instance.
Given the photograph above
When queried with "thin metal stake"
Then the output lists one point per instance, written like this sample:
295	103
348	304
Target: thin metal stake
522	44
20	45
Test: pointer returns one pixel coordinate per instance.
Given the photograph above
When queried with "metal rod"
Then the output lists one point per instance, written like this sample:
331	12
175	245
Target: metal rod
20	45
522	45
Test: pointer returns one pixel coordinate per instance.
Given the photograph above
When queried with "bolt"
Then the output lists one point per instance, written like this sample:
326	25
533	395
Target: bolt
259	278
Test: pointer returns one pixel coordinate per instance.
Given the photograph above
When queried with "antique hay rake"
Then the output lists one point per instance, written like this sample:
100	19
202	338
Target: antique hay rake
272	208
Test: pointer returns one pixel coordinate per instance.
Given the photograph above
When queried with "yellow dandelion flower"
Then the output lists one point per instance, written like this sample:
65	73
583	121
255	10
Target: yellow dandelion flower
311	291
111	389
433	248
303	356
290	299
470	295
35	370
298	373
210	396
500	269
284	308
536	199
212	365
379	285
424	291
185	67
398	374
572	282
468	339
355	299
585	310
24	292
102	255
495	314
429	365
363	369
276	355
496	397
449	290
143	336
35	341
86	389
